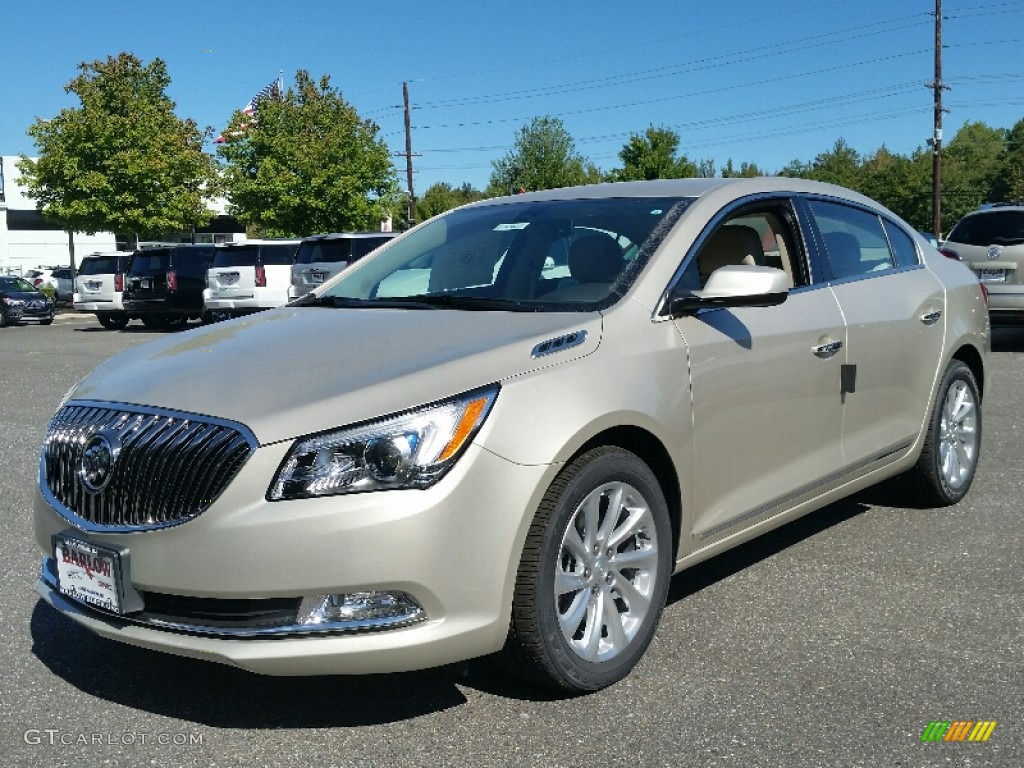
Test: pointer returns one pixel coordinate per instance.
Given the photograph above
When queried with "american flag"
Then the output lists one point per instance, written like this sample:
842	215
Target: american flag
271	91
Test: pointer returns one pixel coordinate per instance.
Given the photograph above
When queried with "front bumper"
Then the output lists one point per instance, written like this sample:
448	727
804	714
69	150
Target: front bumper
454	548
17	313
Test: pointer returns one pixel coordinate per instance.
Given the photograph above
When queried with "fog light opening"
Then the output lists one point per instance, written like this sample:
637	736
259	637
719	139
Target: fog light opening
359	609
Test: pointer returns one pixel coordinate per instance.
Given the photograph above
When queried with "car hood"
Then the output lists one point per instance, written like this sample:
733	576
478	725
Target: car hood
293	371
24	295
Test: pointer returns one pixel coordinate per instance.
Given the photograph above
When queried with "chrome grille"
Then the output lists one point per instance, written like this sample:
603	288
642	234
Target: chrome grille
167	467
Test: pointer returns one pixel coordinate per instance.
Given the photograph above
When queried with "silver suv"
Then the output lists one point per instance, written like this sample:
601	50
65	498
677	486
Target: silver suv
991	242
321	257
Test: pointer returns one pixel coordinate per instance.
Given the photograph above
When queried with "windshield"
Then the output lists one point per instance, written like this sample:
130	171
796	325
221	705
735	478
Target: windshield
553	256
15	284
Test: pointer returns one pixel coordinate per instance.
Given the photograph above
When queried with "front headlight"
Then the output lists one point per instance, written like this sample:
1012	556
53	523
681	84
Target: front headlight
12	302
413	449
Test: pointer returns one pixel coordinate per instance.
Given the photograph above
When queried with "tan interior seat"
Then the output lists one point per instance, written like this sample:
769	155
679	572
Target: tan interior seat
733	244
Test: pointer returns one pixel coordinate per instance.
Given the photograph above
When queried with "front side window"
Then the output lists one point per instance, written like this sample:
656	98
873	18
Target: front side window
567	255
855	243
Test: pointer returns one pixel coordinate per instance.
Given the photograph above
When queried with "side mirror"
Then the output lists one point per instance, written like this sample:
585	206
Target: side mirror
735	286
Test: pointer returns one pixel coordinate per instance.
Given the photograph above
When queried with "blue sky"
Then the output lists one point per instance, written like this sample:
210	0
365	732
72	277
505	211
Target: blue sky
744	80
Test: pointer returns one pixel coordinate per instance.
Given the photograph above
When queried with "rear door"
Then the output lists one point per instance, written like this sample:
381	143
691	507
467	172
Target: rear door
233	272
895	316
147	274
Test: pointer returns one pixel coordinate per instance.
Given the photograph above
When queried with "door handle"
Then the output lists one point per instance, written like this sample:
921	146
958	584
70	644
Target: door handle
828	348
930	318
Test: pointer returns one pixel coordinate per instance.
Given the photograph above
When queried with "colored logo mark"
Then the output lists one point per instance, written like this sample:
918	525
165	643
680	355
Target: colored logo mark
958	730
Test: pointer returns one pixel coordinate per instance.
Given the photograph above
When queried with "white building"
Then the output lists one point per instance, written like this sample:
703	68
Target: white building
28	240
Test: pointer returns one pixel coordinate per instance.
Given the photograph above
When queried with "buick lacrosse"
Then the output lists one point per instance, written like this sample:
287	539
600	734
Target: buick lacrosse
504	431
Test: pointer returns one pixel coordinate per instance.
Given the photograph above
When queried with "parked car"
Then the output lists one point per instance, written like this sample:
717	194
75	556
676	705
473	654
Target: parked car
58	278
321	257
100	285
516	459
991	242
249	276
164	286
20	301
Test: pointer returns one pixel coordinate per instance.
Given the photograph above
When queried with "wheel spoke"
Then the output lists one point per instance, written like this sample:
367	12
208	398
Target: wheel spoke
565	581
636	600
645	559
591	520
570	620
611	514
592	633
636	519
577	548
612	621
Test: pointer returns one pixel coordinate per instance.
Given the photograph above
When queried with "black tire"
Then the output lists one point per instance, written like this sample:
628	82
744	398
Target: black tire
155	322
949	459
3	318
538	648
113	322
48	321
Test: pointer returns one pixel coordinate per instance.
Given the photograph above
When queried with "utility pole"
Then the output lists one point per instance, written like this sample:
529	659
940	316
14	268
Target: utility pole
408	154
936	141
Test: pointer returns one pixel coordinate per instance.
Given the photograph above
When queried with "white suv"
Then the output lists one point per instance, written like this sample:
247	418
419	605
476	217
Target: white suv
99	286
249	276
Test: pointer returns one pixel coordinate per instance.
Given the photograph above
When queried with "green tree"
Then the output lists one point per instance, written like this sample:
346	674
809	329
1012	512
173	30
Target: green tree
970	169
544	157
122	161
901	183
653	155
745	171
307	163
442	196
1009	184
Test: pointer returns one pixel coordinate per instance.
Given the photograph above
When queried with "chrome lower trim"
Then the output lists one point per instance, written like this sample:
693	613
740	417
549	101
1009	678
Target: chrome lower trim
48	588
808	491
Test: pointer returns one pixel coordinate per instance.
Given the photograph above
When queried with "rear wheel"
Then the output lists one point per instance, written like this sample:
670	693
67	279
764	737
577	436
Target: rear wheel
113	322
3	318
48	321
155	322
948	462
594	574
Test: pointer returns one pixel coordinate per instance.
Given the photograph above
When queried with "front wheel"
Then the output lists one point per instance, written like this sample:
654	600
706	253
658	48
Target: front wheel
949	459
594	574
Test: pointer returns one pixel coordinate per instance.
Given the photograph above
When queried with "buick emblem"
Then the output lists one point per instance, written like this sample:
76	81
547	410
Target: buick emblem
995	251
96	467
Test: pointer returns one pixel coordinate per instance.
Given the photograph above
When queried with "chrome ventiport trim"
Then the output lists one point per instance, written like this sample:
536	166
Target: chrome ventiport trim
559	343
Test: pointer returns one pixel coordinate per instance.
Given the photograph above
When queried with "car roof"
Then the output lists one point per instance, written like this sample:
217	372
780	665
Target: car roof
693	188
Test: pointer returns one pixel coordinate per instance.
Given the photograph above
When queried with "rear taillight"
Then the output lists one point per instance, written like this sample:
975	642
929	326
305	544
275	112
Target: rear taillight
950	254
261	277
984	292
119	283
172	281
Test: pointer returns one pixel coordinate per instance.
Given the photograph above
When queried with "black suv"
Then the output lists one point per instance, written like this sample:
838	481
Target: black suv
164	287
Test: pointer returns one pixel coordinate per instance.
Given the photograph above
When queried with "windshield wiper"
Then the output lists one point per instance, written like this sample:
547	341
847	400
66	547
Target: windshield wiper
349	302
454	301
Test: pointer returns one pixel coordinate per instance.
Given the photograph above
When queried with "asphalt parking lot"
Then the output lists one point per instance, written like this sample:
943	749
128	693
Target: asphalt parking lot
833	641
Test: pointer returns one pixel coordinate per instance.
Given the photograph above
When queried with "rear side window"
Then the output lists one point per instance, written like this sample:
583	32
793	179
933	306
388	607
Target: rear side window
150	262
193	261
990	228
278	254
855	243
902	246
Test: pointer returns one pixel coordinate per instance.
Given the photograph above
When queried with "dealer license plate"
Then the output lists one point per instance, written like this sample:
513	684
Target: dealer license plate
992	275
88	573
317	277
